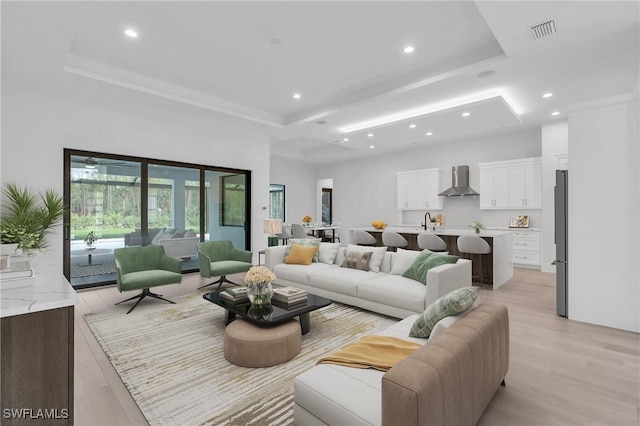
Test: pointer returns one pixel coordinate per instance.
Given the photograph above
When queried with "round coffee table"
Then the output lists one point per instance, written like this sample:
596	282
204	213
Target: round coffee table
89	253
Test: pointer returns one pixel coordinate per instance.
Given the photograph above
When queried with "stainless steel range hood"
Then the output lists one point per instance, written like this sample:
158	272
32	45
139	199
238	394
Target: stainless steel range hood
460	183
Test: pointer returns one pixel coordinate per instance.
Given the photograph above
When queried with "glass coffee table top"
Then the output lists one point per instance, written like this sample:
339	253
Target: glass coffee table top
272	314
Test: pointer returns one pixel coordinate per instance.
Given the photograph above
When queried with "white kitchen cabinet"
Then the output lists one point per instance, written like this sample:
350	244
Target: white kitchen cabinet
494	190
525	186
514	184
526	248
418	190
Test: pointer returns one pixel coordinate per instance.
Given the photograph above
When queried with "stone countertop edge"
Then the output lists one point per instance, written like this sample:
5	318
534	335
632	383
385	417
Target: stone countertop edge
48	289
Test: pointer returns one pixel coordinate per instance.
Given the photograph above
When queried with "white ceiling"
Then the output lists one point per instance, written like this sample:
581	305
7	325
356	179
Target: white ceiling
244	60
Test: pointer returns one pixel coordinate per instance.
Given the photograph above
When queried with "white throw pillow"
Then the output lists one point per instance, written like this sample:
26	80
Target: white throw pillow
402	260
159	236
376	258
328	252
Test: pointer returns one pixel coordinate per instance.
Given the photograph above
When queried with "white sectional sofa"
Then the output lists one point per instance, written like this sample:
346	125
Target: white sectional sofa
382	292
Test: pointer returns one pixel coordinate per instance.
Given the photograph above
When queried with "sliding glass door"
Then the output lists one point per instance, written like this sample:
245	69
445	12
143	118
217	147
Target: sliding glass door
128	201
104	202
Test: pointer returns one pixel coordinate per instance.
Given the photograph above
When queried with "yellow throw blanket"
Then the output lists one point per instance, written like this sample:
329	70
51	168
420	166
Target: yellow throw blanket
377	352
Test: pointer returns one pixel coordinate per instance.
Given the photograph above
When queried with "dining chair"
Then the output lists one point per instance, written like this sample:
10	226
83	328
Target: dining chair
298	231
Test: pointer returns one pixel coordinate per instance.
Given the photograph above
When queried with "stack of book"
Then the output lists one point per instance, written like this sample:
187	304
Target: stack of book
235	294
289	297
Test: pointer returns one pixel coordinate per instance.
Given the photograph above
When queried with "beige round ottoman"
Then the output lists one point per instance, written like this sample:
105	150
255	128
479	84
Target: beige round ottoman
248	345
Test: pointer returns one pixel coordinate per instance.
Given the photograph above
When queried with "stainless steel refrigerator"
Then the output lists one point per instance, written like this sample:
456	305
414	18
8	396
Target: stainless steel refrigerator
561	225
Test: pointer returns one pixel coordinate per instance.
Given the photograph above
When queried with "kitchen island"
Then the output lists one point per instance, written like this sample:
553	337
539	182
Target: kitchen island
37	348
501	242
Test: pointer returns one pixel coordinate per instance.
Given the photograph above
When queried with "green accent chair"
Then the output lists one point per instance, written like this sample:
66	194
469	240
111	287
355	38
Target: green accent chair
139	268
219	258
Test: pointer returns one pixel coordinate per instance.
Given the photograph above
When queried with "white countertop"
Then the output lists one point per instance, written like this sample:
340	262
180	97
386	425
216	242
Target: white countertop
48	289
441	231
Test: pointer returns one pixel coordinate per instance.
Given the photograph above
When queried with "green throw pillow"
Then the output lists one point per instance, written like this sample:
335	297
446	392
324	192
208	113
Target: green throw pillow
412	272
303	242
450	304
436	259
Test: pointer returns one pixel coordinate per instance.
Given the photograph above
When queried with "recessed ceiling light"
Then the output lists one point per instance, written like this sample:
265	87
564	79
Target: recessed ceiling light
297	96
131	33
412	126
555	113
408	50
370	135
345	140
429	133
547	95
487	73
371	146
466	114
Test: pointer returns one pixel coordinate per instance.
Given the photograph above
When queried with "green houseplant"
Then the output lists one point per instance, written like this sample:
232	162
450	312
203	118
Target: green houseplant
90	239
27	217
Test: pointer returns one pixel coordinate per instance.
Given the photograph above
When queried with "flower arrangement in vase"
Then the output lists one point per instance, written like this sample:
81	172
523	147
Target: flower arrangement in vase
307	220
259	280
378	224
477	225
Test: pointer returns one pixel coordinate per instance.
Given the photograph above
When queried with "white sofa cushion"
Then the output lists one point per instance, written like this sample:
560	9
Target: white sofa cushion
298	273
394	290
340	280
328	252
356	401
402	259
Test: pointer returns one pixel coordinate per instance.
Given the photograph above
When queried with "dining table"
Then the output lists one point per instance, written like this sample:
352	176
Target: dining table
319	230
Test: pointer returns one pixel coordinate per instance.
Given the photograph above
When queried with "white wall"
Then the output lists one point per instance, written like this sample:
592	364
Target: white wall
300	187
36	128
365	190
555	140
603	246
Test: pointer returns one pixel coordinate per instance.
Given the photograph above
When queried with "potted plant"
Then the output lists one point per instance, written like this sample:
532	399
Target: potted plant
27	217
477	225
90	240
307	220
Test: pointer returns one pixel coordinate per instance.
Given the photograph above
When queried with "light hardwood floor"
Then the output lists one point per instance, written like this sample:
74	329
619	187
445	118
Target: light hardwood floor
561	372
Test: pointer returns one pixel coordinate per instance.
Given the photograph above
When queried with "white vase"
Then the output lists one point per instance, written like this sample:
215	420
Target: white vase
8	249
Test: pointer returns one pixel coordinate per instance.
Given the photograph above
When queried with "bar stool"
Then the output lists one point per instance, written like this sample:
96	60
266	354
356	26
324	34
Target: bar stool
472	244
393	240
363	238
431	242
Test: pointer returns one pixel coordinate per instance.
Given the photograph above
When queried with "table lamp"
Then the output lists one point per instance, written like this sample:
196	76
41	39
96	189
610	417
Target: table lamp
272	227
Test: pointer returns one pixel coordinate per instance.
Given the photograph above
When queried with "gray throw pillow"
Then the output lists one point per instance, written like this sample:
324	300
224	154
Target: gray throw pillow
450	304
357	260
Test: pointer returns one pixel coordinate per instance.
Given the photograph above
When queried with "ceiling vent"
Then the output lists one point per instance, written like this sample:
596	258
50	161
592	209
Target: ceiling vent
543	30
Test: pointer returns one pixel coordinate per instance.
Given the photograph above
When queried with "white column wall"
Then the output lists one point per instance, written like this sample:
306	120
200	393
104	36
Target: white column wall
603	246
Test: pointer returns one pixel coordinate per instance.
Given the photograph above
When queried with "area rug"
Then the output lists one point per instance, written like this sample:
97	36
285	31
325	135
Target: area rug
170	357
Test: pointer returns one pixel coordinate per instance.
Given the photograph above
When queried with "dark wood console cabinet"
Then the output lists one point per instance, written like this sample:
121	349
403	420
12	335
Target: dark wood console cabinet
36	357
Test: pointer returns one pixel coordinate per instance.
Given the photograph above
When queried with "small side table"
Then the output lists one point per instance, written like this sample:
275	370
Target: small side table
260	253
90	253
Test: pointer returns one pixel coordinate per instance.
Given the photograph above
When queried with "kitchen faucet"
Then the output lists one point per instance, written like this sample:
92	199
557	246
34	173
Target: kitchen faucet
425	219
